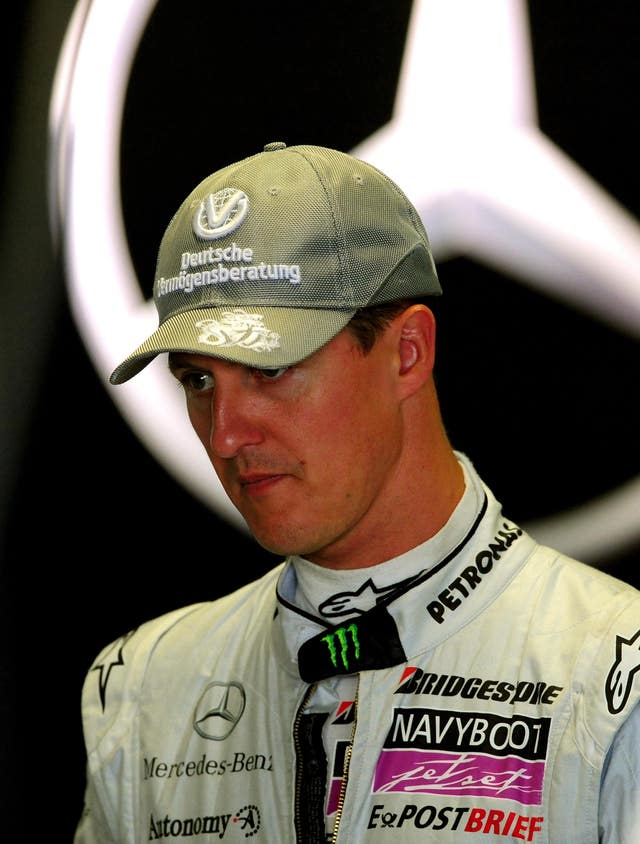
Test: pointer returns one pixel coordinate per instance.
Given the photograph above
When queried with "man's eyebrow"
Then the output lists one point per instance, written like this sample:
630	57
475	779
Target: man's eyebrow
176	361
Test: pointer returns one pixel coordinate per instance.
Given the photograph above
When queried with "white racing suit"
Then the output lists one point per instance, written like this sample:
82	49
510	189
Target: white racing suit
479	689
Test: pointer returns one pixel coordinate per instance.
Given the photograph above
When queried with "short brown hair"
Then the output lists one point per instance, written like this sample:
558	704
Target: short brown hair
368	323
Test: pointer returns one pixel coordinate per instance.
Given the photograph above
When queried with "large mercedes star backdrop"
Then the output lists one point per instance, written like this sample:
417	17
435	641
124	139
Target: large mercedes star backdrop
512	126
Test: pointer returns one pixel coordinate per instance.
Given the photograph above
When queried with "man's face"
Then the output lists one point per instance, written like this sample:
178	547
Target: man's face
307	454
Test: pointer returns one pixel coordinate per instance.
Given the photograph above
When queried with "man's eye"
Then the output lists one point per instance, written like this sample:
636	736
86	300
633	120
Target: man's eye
272	374
197	382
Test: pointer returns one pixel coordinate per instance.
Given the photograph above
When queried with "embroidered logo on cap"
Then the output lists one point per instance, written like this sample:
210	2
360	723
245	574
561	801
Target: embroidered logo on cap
238	328
220	213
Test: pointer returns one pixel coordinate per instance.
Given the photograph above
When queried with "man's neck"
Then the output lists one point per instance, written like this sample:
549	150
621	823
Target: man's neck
423	503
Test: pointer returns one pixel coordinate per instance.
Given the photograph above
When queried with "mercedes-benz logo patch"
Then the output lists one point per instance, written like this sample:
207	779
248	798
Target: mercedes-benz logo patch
219	709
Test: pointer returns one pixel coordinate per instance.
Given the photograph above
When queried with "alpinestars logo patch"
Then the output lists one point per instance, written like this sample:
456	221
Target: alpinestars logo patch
620	678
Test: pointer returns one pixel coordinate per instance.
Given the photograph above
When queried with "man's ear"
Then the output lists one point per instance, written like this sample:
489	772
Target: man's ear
417	346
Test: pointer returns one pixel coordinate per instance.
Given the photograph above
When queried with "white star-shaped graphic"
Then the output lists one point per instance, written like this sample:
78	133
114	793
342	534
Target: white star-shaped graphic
485	179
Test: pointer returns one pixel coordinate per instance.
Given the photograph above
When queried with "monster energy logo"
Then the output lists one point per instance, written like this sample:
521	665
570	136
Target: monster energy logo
340	636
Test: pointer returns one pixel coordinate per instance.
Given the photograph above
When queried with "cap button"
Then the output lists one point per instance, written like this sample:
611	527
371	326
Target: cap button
274	145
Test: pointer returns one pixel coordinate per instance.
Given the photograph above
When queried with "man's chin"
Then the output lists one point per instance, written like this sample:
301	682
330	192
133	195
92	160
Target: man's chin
284	543
277	546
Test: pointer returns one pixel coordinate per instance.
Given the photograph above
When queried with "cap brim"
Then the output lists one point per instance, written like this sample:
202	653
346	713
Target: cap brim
260	337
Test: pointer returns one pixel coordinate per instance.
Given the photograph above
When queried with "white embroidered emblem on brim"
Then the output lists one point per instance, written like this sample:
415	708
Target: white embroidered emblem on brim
238	328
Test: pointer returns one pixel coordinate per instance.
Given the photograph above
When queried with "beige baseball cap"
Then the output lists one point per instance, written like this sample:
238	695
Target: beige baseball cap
267	259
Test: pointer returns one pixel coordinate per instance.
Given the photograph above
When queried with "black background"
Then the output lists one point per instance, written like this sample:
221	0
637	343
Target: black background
541	396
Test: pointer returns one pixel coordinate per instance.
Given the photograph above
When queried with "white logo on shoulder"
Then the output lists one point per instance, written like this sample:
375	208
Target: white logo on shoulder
621	674
220	213
238	328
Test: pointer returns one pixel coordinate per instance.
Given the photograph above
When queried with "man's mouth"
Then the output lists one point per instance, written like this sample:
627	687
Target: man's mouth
255	482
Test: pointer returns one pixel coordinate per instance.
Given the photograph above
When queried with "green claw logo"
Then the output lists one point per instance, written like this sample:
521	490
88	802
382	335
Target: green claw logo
341	635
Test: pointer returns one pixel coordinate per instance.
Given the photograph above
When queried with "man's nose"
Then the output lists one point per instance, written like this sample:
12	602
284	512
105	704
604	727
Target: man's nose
234	420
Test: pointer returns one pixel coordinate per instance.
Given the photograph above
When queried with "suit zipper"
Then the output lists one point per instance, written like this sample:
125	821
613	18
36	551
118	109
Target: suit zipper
345	775
300	833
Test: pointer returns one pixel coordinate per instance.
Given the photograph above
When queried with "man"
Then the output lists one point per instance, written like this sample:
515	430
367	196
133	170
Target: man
418	668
